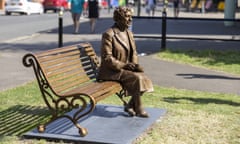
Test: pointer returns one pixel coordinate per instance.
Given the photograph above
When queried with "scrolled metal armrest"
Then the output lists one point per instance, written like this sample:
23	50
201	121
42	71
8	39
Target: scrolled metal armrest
29	60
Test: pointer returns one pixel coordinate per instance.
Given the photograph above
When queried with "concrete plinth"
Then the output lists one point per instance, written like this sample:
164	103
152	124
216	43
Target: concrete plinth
107	124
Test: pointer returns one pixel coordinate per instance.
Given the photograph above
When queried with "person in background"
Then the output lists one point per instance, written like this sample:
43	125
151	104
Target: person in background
122	2
76	7
119	62
114	3
130	5
93	13
109	5
150	7
85	8
176	8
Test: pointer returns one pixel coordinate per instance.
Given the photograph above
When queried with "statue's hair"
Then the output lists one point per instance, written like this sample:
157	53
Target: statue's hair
119	13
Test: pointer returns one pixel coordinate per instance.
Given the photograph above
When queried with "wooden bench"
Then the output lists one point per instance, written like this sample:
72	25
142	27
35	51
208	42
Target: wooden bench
67	80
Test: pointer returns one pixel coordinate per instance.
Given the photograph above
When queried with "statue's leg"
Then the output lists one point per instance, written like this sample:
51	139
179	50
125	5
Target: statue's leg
129	107
138	108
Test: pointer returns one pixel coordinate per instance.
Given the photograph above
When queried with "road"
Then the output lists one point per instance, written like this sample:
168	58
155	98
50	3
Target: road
15	26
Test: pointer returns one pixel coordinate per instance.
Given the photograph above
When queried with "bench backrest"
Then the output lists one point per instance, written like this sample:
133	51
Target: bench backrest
68	67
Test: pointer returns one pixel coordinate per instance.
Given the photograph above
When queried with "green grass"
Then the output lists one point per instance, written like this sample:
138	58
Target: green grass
192	117
226	61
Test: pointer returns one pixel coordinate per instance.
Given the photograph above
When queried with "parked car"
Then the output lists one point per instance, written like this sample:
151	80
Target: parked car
103	4
55	5
23	7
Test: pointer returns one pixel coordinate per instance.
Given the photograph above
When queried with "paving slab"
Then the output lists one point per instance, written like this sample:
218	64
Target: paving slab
107	124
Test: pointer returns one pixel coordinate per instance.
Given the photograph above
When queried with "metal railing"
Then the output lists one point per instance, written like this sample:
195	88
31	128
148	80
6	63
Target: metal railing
163	35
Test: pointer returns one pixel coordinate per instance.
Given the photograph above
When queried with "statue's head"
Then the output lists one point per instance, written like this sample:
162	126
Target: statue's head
123	17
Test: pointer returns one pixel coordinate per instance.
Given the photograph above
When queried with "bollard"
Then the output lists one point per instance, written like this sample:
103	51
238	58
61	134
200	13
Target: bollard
60	27
164	26
163	44
229	12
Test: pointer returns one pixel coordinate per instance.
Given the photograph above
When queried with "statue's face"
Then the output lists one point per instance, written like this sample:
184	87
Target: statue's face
128	19
125	20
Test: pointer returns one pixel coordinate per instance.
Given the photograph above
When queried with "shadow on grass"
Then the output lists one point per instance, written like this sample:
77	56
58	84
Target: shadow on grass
21	118
206	76
201	100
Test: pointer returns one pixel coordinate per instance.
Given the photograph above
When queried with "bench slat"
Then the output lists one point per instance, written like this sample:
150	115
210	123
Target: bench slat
62	71
111	90
57	61
67	48
70	86
65	81
56	56
55	80
62	65
98	90
73	64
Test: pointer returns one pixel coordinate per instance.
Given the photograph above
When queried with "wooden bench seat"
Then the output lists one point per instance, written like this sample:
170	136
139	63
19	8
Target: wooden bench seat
67	80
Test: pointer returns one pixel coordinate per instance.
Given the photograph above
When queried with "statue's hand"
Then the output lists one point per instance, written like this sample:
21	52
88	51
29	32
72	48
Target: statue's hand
138	68
133	67
129	66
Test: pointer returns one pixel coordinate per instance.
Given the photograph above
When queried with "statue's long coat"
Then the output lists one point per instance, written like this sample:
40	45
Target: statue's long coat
115	53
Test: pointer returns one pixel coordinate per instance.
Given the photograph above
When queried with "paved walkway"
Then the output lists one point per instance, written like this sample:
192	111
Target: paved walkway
163	73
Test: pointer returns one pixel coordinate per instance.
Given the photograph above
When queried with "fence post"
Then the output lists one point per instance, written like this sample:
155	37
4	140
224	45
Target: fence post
60	27
138	7
164	26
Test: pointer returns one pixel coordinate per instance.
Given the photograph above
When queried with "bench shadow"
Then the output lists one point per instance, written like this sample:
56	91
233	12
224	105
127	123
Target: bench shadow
19	119
202	101
63	125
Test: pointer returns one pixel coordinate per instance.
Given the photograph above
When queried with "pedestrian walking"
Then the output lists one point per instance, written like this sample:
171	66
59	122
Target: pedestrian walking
93	13
114	3
150	7
176	8
85	8
130	5
76	7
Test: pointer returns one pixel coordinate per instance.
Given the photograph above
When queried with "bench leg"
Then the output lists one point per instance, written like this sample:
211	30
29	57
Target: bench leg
82	131
121	95
79	103
41	128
